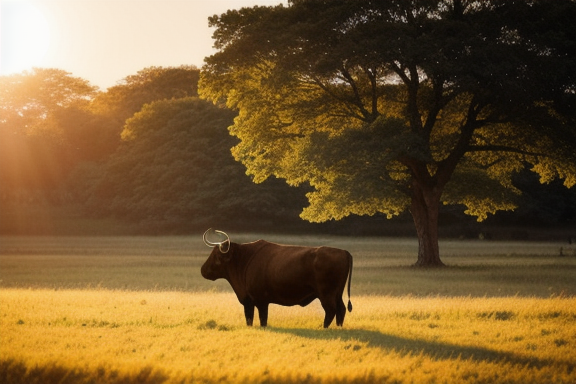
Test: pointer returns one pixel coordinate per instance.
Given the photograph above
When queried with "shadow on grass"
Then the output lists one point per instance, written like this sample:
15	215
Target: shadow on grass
17	372
434	350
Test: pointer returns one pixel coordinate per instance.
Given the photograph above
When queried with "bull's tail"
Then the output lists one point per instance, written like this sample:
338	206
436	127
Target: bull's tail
349	281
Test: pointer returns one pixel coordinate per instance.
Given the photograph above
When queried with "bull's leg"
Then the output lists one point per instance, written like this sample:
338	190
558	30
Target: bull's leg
249	312
340	312
330	310
263	314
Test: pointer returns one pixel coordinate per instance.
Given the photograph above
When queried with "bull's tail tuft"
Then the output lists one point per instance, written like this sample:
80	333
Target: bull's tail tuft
349	306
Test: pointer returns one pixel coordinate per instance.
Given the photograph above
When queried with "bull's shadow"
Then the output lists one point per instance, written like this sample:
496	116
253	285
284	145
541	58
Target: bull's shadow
434	350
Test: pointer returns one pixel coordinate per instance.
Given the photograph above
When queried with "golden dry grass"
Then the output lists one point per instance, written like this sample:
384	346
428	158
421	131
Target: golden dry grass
136	310
114	336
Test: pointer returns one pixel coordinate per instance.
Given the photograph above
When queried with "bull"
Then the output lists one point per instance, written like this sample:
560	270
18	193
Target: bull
263	273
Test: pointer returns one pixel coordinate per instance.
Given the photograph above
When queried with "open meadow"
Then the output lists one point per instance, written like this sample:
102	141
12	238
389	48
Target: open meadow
136	310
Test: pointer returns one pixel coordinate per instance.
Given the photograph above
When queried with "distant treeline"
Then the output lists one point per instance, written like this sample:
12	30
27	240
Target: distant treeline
149	154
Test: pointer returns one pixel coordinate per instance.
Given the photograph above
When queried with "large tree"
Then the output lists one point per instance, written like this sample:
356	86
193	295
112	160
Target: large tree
383	106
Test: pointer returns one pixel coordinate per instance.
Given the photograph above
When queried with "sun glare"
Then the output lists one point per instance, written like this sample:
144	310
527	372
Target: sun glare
25	36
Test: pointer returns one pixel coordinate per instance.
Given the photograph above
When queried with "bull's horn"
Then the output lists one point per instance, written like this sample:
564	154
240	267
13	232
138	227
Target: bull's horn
225	245
208	243
221	245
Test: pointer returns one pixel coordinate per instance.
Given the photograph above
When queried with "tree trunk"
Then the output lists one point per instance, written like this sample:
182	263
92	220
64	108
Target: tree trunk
424	209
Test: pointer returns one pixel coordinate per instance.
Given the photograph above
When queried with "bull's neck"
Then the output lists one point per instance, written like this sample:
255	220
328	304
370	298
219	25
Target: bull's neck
236	267
242	256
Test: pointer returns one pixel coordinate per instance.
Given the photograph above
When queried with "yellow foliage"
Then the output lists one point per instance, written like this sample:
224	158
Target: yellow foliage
549	170
482	207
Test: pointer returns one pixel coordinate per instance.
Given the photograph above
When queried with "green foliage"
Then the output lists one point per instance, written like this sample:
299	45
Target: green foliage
173	168
175	171
481	194
148	85
119	103
346	171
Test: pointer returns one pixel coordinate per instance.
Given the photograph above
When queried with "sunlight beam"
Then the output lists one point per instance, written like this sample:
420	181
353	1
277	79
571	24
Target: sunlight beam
25	36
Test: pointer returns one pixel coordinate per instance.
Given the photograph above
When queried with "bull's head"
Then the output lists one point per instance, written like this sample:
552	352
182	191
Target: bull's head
215	267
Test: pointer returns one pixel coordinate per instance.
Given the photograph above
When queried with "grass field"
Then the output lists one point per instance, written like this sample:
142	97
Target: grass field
136	310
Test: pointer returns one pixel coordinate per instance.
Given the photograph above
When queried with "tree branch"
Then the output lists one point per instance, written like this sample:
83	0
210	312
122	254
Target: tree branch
372	76
340	99
447	166
400	72
357	99
440	101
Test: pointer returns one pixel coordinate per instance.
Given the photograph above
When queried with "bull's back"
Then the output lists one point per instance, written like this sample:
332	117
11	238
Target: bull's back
292	275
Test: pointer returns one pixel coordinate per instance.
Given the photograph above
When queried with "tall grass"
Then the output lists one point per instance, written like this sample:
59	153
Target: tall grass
83	336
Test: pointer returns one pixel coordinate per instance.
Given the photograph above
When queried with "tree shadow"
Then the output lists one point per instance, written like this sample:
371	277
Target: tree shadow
18	372
435	350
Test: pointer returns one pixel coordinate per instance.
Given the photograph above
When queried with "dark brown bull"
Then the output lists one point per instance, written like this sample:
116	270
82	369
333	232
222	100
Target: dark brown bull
263	273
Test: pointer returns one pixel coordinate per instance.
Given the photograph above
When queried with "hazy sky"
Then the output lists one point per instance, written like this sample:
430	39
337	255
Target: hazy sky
104	41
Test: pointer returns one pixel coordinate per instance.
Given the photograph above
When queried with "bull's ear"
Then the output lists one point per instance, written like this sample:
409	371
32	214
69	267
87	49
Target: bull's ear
225	254
225	247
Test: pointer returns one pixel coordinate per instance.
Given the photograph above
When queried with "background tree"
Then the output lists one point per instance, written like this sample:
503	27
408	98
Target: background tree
387	106
112	108
174	172
96	132
34	152
62	157
146	86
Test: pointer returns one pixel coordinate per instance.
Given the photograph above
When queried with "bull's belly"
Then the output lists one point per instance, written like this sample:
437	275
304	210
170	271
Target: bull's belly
288	297
302	301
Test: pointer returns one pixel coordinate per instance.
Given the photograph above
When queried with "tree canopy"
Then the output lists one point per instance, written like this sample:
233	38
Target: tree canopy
119	103
146	151
174	172
34	151
400	105
148	85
